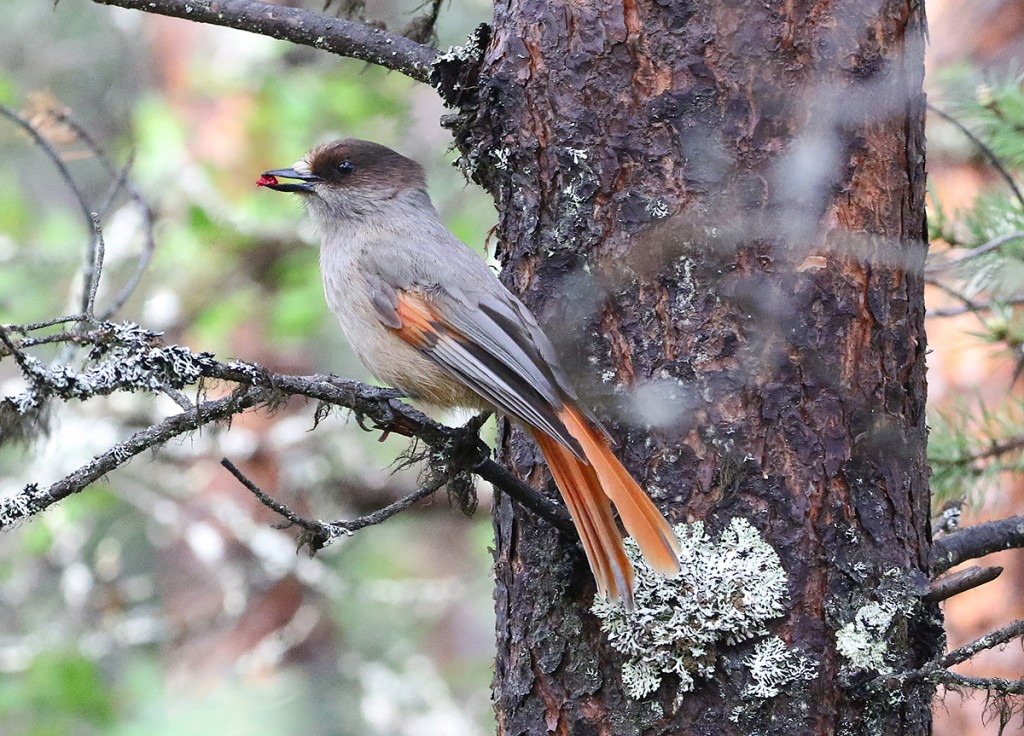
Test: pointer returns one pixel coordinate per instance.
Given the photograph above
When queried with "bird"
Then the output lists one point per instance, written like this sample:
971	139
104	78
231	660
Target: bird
428	317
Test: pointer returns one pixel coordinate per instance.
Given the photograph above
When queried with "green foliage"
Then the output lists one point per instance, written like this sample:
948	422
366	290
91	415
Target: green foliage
60	692
971	446
976	442
999	110
297	307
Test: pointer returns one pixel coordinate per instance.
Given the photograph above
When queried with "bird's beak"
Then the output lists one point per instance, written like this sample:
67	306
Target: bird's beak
304	184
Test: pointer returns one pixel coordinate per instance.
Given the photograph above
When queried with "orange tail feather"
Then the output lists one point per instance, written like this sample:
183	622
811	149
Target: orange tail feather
587	488
592	514
641	517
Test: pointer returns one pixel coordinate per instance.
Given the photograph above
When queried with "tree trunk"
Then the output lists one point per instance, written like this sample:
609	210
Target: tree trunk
717	209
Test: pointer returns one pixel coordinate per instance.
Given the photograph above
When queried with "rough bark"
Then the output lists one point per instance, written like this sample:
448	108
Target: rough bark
718	206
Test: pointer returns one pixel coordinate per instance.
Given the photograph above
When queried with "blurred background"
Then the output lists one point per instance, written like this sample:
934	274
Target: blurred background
162	600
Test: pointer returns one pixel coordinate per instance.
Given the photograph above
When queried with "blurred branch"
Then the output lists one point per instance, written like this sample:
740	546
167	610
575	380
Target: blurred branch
120	181
342	37
422	28
991	246
985	150
125	357
92	265
977	541
319	534
93	275
995	449
970	307
89	274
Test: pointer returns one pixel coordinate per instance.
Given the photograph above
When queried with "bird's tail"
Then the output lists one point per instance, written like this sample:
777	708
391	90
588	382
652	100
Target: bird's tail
587	488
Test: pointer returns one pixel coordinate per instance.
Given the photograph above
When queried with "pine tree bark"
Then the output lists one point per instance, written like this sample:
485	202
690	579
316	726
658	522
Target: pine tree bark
717	208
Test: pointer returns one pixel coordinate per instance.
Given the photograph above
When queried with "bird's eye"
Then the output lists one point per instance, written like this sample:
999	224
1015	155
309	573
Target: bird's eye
346	167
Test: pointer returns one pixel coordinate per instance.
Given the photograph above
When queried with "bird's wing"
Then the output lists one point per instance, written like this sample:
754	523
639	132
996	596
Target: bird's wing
489	361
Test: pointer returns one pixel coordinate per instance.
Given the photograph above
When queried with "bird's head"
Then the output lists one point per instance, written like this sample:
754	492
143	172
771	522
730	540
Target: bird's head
347	178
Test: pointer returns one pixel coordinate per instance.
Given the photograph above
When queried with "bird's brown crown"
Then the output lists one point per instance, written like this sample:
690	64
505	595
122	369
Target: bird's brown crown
356	163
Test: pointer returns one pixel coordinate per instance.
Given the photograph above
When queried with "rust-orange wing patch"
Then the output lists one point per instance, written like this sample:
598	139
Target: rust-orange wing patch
421	328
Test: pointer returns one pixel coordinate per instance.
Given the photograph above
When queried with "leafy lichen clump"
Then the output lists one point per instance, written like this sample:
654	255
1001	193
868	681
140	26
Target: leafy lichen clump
725	593
773	666
862	641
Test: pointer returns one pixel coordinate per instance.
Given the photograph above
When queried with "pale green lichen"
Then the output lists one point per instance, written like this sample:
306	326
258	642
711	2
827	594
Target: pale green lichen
774	666
725	594
862	641
877	630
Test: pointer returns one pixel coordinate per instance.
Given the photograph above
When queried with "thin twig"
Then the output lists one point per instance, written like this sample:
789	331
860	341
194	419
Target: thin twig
968	303
322	533
33	500
391	509
89	261
56	338
995	449
119	177
314	527
972	307
32	326
98	253
12	349
177	397
971	253
422	28
993	684
937	671
342	37
120	180
985	150
989	641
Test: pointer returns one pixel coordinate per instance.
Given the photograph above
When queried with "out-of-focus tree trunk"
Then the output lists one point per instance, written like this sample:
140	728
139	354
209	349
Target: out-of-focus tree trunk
717	208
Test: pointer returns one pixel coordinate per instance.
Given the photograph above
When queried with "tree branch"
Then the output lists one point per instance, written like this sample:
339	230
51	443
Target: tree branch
971	254
985	150
92	266
126	357
342	37
960	582
319	534
989	641
992	684
119	181
381	406
977	541
994	449
32	500
973	307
